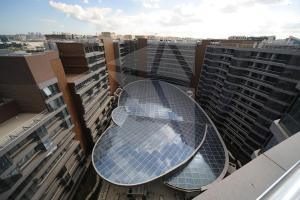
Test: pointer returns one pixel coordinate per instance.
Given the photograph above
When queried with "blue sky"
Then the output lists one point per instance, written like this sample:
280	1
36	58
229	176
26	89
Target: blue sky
193	18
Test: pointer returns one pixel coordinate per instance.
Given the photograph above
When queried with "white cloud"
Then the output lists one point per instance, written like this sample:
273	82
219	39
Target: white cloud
85	1
213	19
93	15
149	3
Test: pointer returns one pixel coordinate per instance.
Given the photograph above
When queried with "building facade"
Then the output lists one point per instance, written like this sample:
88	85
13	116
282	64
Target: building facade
40	157
244	90
126	52
289	124
87	77
171	61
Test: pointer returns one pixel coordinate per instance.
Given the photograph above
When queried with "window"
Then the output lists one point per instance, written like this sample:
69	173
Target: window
67	123
63	114
47	91
41	132
50	90
291	120
7	183
27	157
4	164
55	104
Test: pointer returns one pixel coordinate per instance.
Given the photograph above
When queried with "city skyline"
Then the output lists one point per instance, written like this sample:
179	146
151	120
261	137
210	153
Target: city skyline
198	19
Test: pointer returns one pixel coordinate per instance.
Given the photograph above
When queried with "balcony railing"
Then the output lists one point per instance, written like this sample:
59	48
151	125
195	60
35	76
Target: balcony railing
18	131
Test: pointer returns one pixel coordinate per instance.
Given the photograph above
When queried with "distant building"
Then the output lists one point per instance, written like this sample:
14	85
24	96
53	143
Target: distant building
254	38
51	39
171	61
21	37
63	36
126	53
128	37
109	34
237	38
31	36
175	61
288	43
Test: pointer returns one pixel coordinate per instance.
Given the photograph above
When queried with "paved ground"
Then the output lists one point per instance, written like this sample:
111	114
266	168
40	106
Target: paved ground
154	191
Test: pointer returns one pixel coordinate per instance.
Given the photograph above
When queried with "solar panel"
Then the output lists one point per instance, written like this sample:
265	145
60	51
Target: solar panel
208	165
158	128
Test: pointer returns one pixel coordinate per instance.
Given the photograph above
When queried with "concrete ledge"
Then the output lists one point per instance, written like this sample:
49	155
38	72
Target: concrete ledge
250	181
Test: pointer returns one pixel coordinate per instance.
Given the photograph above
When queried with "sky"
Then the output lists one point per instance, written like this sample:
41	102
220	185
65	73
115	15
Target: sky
193	18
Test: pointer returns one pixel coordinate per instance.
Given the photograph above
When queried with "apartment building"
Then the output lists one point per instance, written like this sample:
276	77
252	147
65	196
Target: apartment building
244	90
171	61
177	62
289	124
267	174
131	60
39	155
201	48
87	76
127	61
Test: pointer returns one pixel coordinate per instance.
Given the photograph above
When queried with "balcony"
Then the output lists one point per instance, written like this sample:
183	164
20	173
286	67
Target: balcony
23	122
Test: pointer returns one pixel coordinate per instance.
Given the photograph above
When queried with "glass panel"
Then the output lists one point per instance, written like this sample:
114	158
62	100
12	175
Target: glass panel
156	132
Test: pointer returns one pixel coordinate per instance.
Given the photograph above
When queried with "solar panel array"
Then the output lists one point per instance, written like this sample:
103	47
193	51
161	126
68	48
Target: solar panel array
158	129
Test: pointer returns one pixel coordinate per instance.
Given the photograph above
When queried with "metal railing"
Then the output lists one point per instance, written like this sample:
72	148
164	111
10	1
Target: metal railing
286	187
18	131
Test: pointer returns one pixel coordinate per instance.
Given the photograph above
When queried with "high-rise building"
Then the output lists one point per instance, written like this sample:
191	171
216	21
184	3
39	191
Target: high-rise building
109	34
289	124
126	52
177	62
244	90
87	76
201	48
39	155
171	61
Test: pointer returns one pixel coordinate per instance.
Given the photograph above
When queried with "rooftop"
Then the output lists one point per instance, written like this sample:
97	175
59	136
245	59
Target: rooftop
74	77
153	191
6	52
78	78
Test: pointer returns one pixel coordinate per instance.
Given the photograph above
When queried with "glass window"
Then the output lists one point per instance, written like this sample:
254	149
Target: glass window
291	120
56	103
7	183
47	91
4	164
68	123
51	90
26	158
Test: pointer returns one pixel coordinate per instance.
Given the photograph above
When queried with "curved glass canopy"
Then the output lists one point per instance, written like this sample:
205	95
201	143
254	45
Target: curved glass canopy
158	129
119	115
208	165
